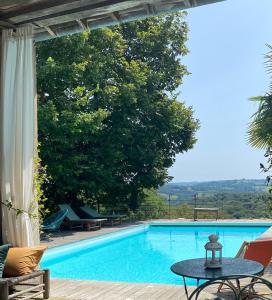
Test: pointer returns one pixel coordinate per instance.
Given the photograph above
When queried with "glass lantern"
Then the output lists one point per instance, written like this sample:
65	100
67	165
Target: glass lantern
213	253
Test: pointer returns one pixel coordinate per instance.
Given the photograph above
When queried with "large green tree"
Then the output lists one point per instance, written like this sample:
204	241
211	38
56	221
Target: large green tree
109	121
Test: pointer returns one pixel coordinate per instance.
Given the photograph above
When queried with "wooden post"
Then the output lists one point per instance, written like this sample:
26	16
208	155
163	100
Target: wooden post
98	206
46	282
169	208
4	290
222	206
195	212
1	234
195	198
1	140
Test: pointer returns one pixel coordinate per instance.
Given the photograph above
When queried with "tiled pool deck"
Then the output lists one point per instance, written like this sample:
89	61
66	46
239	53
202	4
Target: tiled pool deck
100	290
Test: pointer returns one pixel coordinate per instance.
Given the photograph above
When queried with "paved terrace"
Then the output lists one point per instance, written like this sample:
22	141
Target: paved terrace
62	289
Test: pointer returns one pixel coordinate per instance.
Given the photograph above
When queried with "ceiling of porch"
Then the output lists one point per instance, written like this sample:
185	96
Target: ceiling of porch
52	18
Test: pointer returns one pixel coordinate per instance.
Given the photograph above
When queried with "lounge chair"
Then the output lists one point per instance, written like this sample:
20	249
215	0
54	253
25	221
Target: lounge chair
53	222
93	214
74	220
257	250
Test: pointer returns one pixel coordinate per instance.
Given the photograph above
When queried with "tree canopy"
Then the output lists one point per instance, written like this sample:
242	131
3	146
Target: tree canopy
110	124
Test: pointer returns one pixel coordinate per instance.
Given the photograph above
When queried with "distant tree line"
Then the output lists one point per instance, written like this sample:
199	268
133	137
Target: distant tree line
231	206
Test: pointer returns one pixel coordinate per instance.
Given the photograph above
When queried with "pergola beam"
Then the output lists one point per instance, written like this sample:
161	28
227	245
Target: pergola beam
73	10
187	3
71	16
194	2
116	17
35	7
5	24
150	9
83	24
50	31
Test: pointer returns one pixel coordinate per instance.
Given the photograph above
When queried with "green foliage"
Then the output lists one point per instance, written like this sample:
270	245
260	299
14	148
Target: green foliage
268	170
110	124
231	206
234	198
39	180
152	206
260	129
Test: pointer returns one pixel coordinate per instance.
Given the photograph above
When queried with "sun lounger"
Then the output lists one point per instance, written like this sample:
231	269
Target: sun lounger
75	221
113	218
53	222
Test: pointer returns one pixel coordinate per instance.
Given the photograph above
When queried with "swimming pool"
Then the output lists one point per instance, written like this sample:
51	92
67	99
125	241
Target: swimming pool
143	254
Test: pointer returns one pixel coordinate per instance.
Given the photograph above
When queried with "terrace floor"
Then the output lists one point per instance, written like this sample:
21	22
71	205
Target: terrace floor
100	290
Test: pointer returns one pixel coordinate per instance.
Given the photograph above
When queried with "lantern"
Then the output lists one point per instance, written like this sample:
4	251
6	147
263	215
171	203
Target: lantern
213	253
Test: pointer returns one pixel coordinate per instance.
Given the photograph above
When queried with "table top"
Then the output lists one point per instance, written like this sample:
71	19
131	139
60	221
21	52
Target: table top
195	268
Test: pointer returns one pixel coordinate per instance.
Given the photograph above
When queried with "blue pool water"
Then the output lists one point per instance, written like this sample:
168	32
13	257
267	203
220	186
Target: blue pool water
142	255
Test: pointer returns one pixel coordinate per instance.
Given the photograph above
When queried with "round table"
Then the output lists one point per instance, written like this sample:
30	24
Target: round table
195	268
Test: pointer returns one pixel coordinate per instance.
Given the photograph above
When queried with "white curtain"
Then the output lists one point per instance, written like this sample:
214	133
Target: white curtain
18	94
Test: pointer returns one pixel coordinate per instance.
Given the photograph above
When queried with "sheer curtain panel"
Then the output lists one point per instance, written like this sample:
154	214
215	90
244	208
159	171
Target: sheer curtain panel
18	93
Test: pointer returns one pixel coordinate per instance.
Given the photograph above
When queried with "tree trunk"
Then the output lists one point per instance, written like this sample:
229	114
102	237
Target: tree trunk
134	200
71	198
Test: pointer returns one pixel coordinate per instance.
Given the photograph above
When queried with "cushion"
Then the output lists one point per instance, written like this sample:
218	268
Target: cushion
3	254
22	261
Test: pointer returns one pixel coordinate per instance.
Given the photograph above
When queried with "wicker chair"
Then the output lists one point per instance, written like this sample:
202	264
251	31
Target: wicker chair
25	287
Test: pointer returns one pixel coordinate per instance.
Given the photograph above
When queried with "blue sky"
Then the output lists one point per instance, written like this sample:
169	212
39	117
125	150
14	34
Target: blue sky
227	46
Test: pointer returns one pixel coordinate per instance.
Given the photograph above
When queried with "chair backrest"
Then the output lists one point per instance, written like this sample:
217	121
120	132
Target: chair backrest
260	251
56	219
71	215
91	212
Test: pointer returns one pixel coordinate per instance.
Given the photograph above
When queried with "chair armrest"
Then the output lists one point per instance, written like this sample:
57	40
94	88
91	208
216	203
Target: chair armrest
15	280
242	249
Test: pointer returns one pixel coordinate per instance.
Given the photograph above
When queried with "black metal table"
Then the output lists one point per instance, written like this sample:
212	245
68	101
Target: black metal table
195	268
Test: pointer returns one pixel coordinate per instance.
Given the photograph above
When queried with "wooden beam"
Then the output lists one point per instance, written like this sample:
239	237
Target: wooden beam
187	3
10	3
150	9
50	31
25	8
116	17
1	146
193	3
83	24
64	12
6	24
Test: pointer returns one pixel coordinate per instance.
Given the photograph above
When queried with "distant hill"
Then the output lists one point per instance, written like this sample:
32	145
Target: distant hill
243	198
185	190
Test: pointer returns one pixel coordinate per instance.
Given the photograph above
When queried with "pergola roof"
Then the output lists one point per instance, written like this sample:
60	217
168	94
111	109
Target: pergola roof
52	18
